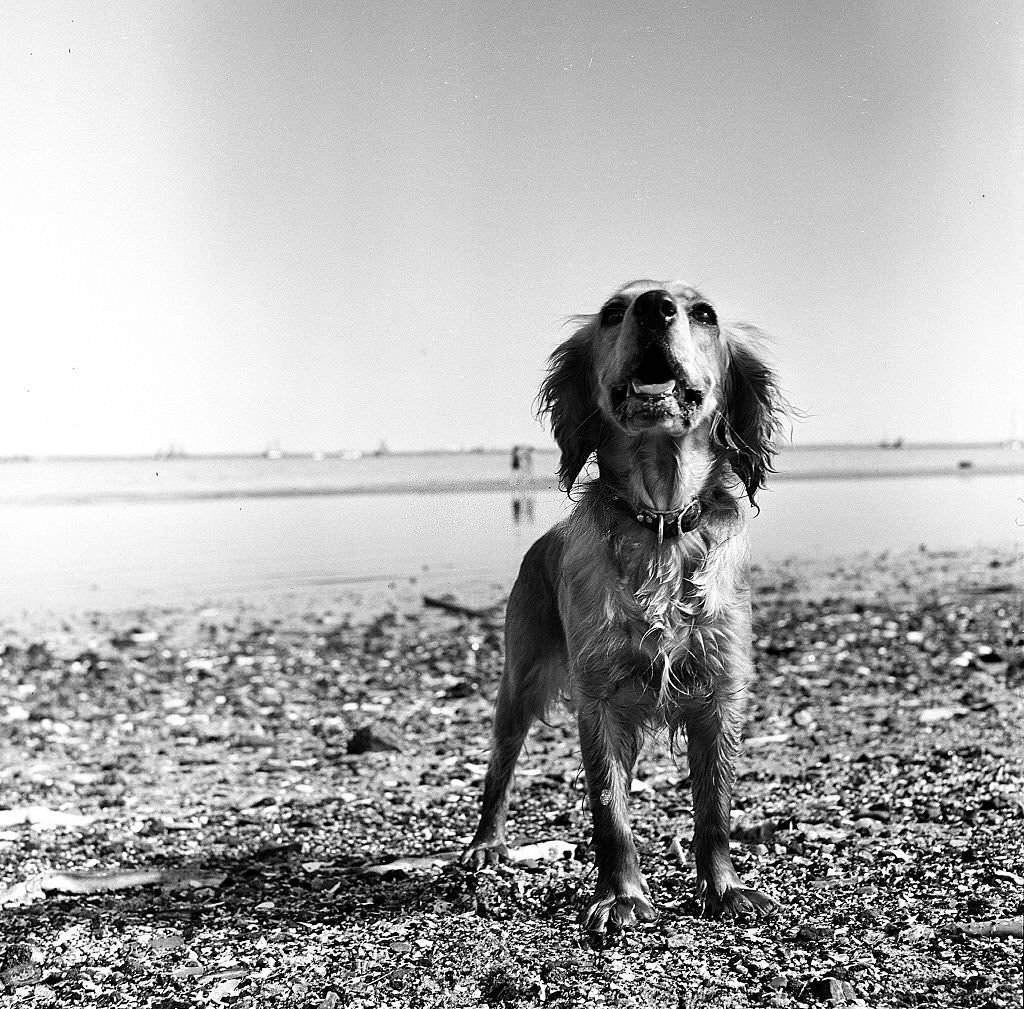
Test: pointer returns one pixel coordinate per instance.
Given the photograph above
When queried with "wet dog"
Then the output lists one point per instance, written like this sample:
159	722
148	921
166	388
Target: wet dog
636	607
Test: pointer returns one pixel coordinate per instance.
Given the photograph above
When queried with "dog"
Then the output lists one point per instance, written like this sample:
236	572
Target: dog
636	607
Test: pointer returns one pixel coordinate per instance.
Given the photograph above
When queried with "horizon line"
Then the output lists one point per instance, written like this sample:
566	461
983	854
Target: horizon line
274	455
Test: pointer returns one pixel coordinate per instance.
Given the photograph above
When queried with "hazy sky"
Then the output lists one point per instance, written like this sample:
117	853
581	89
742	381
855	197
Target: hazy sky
230	225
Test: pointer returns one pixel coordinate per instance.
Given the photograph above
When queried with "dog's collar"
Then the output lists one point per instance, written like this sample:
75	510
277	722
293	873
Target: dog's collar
667	525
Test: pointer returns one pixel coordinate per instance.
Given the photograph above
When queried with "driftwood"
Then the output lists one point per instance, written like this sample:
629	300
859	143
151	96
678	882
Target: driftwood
101	881
552	850
997	926
42	818
449	606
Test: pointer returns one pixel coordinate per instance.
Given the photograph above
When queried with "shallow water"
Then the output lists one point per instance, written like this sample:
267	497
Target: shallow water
108	554
85	481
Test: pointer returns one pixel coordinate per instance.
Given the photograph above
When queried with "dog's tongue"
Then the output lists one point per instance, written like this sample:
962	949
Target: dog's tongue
655	388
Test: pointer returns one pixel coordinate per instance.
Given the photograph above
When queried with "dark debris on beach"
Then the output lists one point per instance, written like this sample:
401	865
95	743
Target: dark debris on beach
258	806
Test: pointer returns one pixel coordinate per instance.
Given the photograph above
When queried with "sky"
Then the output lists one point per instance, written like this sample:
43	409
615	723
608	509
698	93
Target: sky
229	226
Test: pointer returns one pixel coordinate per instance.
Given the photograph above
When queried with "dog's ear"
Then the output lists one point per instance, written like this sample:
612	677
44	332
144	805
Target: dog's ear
569	395
752	413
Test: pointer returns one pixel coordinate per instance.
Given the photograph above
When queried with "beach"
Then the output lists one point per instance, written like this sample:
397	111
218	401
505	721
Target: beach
257	804
319	316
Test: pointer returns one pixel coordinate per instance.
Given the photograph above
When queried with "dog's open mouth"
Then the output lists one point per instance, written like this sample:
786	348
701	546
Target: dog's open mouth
655	392
644	401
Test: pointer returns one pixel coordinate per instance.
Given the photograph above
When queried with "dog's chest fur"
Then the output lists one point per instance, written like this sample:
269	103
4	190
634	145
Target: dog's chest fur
642	608
664	601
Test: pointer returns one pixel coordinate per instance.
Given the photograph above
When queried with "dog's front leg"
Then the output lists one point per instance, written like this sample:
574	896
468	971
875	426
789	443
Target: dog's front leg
611	731
713	735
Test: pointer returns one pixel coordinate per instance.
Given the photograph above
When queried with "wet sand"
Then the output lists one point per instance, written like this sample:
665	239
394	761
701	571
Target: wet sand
263	759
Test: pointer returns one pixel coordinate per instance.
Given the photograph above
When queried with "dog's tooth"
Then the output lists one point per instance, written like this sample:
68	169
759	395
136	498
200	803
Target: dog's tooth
655	388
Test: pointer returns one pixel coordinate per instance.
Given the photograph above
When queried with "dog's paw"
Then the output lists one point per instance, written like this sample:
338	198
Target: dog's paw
740	902
483	853
617	908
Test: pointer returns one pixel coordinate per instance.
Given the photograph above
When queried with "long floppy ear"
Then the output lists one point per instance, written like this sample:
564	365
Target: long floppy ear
569	394
752	413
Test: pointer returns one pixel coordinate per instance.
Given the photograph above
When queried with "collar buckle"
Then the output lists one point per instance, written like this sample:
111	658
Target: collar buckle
667	525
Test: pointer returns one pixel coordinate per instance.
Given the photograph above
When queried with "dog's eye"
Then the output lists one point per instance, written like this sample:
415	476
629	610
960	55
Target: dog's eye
703	314
612	315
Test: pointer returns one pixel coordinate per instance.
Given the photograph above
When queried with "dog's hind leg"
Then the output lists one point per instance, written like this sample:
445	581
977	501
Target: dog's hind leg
535	663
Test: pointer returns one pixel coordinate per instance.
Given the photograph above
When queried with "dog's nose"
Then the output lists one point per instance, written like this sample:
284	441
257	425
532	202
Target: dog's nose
655	310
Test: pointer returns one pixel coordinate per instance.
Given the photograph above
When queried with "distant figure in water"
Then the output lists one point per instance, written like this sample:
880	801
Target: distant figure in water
521	462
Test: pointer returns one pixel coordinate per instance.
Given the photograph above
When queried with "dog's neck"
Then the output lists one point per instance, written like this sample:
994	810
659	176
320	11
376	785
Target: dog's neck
655	472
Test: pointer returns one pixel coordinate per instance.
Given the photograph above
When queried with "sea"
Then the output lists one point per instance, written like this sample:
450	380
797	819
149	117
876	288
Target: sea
113	533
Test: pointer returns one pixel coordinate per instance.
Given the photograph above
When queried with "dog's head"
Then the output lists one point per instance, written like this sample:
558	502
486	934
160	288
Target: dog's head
658	355
656	362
